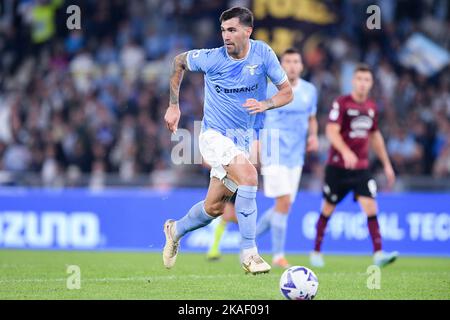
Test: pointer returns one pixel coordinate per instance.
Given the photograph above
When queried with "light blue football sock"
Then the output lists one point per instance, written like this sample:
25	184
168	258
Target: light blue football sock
278	227
263	223
194	219
246	212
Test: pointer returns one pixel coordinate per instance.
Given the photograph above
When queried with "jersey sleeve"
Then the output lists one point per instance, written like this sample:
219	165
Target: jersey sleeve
336	114
199	60
275	72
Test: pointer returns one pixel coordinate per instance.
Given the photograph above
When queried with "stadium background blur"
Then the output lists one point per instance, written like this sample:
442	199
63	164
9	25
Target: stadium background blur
81	116
85	107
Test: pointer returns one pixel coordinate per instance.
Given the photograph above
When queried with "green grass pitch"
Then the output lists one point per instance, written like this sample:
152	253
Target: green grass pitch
131	275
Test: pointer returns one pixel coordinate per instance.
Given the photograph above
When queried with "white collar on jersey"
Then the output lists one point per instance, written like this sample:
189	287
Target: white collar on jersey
246	56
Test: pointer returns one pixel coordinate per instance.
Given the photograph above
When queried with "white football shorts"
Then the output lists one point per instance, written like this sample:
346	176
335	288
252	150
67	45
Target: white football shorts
281	180
218	151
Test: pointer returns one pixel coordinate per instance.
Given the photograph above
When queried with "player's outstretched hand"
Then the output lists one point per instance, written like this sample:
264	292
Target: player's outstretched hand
254	106
172	117
390	175
350	159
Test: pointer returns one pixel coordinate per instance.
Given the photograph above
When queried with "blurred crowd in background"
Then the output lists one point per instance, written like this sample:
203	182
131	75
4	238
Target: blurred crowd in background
90	102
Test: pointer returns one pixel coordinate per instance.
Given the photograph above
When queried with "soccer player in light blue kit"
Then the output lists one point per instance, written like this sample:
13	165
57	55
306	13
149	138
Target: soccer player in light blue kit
294	129
235	91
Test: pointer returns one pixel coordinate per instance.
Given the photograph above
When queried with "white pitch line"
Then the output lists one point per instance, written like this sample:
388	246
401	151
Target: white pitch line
149	278
200	277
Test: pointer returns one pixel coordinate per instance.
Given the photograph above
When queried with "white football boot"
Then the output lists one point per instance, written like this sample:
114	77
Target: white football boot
170	250
254	264
316	259
381	258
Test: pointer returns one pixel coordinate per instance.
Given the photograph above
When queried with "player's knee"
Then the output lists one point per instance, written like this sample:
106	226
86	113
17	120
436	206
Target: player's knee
368	205
283	204
214	209
371	211
327	208
248	176
285	207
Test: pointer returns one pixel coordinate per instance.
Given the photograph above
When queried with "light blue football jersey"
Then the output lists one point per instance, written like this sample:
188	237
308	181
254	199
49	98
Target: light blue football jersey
292	123
230	82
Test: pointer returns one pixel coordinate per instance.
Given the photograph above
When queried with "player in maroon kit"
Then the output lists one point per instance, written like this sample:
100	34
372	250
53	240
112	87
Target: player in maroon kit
351	128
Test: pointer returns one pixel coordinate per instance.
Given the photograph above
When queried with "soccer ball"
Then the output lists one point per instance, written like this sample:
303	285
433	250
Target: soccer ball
299	283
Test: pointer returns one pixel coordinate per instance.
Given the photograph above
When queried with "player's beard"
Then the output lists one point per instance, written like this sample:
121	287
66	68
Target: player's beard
231	49
293	76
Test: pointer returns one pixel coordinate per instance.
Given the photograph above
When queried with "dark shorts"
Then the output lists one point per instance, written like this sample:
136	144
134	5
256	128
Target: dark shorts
339	182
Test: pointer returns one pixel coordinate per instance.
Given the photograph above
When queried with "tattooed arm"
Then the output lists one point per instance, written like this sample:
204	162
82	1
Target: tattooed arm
173	113
281	98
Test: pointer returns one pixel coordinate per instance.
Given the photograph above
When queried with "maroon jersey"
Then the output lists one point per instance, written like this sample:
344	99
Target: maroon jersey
357	120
